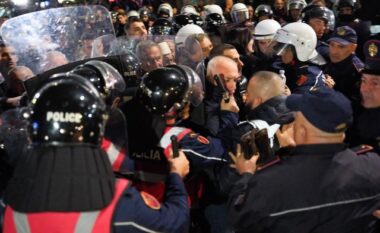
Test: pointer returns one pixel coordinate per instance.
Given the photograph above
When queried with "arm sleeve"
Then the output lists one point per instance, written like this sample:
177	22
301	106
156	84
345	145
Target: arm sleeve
134	215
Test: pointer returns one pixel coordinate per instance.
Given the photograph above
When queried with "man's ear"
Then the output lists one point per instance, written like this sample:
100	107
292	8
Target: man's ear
353	47
257	101
115	103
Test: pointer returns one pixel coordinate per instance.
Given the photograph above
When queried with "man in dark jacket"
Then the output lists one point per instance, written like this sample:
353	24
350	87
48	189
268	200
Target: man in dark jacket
321	187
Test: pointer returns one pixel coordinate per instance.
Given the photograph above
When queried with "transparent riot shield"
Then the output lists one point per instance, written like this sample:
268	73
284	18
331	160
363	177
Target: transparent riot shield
13	136
47	39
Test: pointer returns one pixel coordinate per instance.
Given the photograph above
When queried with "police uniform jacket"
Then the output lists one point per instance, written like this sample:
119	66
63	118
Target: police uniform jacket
318	188
346	75
302	76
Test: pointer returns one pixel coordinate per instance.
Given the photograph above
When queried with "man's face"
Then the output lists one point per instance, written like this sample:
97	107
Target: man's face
345	10
278	4
137	29
319	26
87	47
206	46
250	11
230	75
234	55
122	19
338	52
153	59
287	56
263	45
295	14
8	57
370	90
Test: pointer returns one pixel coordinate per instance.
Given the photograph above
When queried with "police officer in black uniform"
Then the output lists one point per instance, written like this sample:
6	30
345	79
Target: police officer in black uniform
317	17
366	130
320	187
344	66
347	17
66	177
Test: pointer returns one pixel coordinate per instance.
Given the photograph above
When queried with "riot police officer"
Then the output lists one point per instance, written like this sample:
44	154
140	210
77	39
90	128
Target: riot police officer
160	110
296	43
66	177
318	17
346	17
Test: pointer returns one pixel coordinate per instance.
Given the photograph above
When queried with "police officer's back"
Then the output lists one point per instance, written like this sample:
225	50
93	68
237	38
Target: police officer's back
66	177
320	187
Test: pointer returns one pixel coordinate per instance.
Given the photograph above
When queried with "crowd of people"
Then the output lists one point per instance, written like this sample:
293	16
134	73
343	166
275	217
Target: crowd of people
256	116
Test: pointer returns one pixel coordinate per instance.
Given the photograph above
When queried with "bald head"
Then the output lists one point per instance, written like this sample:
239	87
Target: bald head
263	86
226	68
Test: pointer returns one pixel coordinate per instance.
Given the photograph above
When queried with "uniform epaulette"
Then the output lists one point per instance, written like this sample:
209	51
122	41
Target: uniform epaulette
358	64
269	164
324	43
362	149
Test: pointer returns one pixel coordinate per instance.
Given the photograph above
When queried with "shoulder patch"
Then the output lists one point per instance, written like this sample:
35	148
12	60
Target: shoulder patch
302	79
150	201
358	64
203	140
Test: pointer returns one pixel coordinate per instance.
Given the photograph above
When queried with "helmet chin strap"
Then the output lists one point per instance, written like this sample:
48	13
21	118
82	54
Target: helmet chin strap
177	111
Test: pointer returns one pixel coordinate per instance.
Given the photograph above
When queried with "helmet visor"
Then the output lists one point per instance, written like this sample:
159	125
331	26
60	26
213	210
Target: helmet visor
239	16
276	48
112	78
195	93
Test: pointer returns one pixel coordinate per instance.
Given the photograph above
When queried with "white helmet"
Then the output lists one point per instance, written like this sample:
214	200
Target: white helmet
189	10
186	31
301	36
266	29
133	14
213	8
295	4
239	13
165	8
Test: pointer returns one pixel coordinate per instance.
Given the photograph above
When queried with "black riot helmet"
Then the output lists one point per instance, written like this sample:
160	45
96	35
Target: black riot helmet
106	79
131	68
197	20
169	89
263	10
213	21
161	26
67	110
180	21
314	11
346	3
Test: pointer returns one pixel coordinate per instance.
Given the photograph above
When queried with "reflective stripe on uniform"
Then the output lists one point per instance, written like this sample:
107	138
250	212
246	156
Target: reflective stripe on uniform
326	205
115	153
21	222
203	156
133	224
86	222
165	141
82	222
